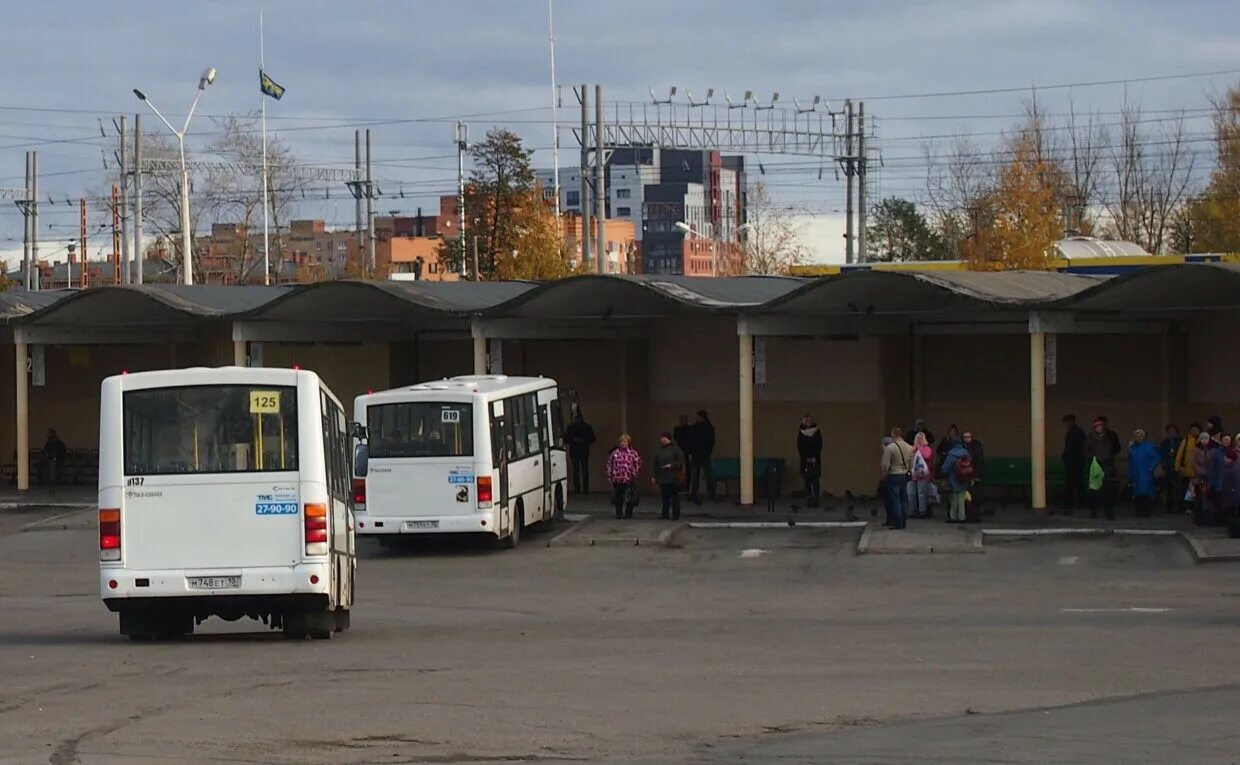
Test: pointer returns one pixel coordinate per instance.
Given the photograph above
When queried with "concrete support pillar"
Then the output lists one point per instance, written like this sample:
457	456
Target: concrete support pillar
623	356
745	359
238	353
480	355
23	418
1037	417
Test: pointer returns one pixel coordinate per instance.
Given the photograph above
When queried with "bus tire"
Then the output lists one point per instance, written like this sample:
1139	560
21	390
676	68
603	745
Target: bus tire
513	539
559	503
342	619
294	625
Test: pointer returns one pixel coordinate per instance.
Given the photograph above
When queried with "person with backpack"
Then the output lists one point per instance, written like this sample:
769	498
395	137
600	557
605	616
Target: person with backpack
809	448
958	468
919	486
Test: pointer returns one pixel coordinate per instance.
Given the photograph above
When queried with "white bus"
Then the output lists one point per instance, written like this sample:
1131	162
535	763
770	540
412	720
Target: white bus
477	454
225	492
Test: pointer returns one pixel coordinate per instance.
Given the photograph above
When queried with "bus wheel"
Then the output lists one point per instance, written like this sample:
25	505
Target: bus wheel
559	504
295	626
321	624
342	619
518	520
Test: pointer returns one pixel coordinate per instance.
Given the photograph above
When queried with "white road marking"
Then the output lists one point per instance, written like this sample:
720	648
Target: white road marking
1129	610
1068	560
753	552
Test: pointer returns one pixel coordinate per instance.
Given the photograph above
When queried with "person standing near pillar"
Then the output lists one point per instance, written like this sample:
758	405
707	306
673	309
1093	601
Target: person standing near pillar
54	452
1073	464
1184	467
703	444
1172	491
958	469
579	435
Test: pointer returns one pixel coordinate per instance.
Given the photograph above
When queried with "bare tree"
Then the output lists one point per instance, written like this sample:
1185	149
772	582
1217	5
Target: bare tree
773	240
1151	174
957	185
1085	152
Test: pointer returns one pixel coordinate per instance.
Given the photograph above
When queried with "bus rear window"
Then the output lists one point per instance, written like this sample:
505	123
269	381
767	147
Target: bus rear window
210	429
420	429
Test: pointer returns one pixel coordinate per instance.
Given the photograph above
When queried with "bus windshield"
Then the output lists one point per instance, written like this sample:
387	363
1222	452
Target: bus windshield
420	429
210	429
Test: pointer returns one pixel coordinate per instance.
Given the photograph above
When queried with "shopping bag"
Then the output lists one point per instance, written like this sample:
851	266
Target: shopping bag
934	494
1097	476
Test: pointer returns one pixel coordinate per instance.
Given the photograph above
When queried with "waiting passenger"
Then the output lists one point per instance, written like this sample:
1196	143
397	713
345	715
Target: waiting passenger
1143	461
624	465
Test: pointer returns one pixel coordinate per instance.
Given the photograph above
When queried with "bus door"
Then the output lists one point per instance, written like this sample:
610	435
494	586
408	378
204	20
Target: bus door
499	452
544	425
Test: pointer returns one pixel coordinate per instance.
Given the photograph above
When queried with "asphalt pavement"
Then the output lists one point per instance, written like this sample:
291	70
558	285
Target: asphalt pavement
735	643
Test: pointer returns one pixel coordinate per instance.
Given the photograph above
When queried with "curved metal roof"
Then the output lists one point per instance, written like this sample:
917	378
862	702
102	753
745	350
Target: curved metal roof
150	304
19	302
904	292
1089	247
354	300
595	296
1183	287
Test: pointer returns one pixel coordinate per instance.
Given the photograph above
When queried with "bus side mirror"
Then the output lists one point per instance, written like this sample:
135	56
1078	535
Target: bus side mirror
359	431
361	460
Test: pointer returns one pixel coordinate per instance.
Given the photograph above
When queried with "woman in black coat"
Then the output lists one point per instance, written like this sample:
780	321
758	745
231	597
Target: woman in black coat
809	447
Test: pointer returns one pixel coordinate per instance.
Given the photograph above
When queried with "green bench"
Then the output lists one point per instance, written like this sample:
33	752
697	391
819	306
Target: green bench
1017	473
727	470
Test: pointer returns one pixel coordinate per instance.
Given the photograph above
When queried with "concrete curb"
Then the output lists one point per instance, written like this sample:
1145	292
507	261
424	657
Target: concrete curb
667	536
867	539
863	544
64	522
559	539
778	525
1195	546
55	505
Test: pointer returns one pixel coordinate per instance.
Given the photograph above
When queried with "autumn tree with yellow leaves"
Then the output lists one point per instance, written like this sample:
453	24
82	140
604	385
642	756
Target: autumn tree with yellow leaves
1018	221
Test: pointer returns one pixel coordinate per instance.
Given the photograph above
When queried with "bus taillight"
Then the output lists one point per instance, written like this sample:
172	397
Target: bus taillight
109	534
359	493
484	492
316	529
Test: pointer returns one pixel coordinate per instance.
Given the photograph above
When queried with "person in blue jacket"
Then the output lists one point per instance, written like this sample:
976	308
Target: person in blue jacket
1143	460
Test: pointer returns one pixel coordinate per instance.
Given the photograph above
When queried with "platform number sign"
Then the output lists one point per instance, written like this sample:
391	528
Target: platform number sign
264	402
450	416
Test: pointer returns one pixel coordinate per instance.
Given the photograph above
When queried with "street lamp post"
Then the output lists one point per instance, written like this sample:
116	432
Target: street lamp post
208	77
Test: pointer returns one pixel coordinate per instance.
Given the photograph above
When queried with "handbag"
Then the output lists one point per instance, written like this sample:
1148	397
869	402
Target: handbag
631	497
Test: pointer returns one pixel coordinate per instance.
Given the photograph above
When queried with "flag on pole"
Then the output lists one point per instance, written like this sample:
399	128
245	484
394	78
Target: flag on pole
269	87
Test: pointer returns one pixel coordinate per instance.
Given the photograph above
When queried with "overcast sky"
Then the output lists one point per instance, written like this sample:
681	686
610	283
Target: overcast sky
72	63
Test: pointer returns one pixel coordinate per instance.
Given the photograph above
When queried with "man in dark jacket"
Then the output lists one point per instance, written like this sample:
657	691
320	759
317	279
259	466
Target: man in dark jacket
1103	446
579	436
54	452
669	461
977	456
1073	464
682	434
703	445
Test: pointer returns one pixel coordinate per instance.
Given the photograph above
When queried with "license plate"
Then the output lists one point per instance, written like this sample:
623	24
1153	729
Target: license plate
213	582
415	525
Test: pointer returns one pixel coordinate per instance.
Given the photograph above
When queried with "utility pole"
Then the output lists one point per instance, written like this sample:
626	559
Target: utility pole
85	256
555	125
357	203
861	171
34	220
475	256
138	260
116	234
462	144
120	273
600	190
584	172
24	205
370	213
848	176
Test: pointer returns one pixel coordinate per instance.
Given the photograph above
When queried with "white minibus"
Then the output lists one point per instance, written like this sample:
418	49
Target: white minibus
476	454
225	492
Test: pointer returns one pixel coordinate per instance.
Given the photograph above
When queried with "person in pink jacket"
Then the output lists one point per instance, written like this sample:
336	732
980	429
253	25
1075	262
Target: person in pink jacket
922	472
624	464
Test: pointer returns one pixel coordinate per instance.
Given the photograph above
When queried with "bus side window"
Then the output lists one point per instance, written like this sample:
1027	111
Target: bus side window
556	434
